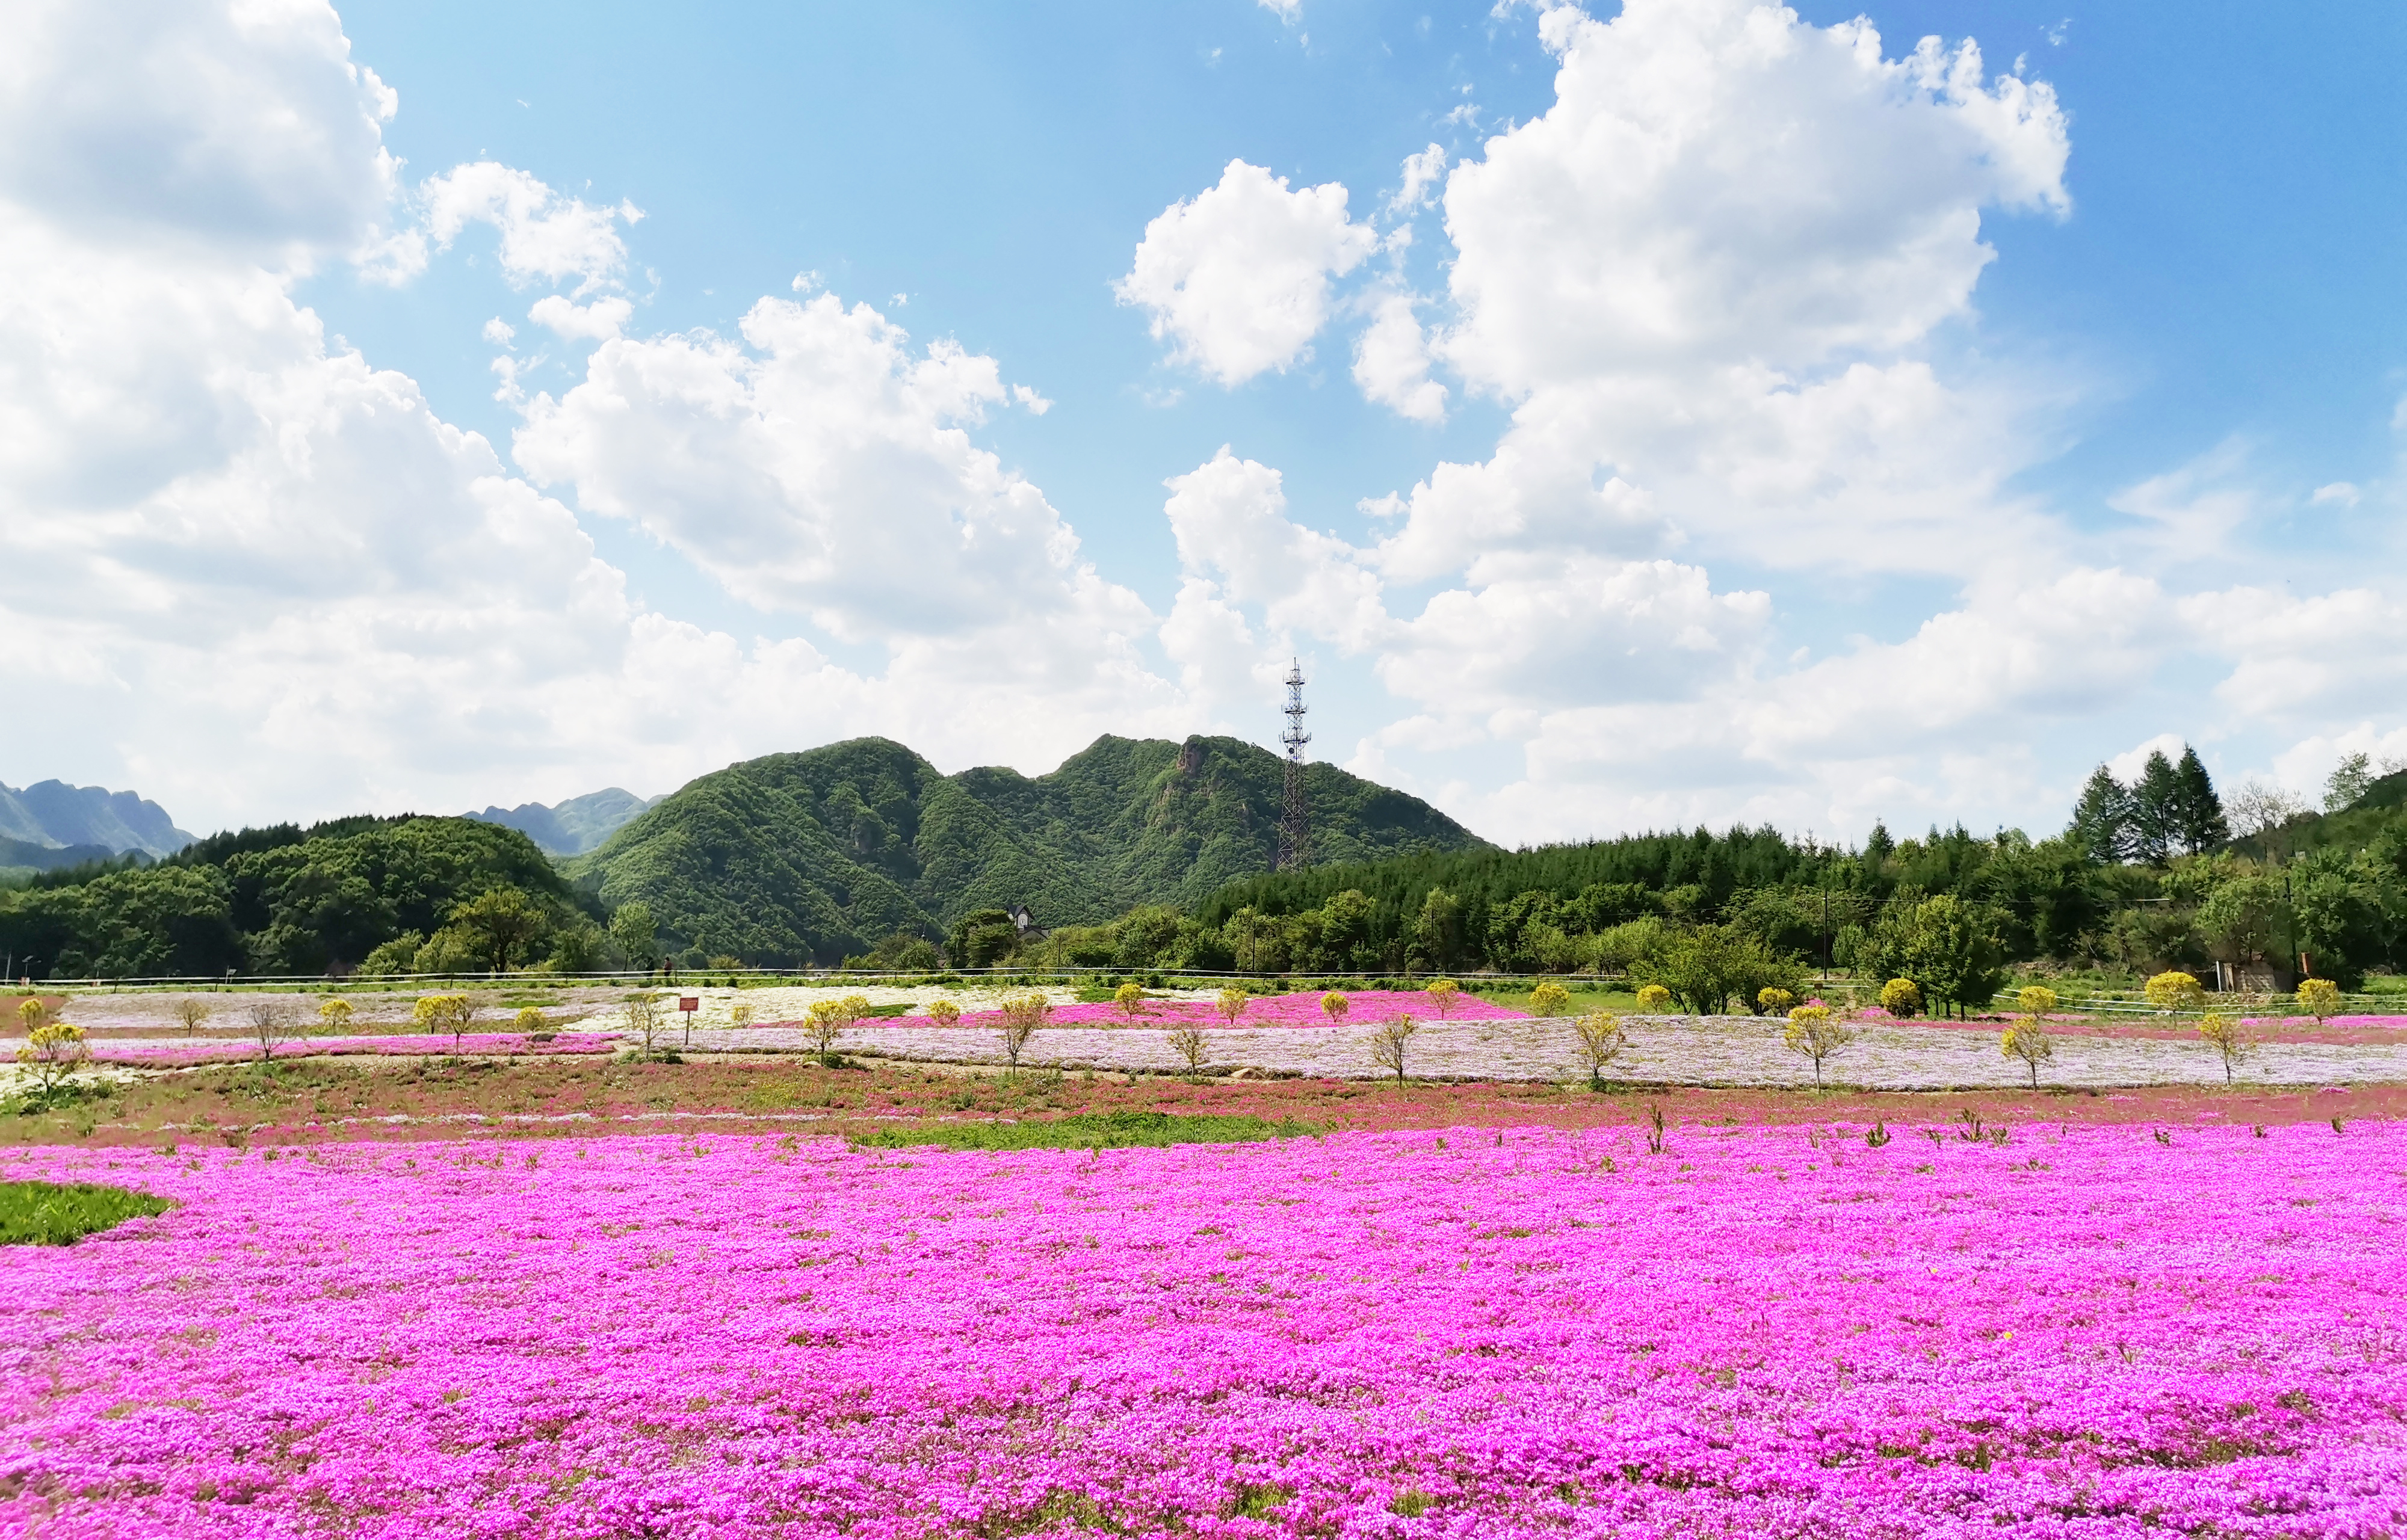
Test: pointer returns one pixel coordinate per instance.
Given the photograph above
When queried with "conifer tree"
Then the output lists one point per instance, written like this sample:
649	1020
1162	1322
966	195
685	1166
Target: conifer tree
2200	822
2156	810
2101	820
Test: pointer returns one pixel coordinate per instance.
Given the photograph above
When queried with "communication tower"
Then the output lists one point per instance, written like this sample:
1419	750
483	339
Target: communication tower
1295	821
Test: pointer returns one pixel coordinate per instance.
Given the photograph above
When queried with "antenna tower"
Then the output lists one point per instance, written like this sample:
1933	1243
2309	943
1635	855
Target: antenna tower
1295	827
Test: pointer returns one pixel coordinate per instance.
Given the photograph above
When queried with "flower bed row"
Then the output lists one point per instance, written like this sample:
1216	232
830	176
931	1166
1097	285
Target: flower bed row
1302	1010
1534	1332
229	1051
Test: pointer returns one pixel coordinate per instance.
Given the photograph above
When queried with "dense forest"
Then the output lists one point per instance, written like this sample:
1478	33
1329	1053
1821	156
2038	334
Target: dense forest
2147	876
384	894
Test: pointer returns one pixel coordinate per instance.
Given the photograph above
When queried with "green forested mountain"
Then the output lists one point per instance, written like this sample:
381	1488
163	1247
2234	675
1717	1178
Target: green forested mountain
395	894
810	856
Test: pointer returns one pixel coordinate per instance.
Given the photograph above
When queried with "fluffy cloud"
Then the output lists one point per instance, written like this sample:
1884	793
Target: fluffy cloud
1703	272
1230	518
276	583
1718	183
1237	276
1392	361
599	321
822	465
544	233
242	129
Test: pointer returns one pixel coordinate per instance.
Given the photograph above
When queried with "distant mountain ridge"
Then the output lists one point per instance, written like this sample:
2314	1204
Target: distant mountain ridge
573	827
79	823
795	858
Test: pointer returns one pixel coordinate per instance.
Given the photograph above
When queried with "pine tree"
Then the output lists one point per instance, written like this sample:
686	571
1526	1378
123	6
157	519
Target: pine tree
2101	820
2201	823
2156	810
1879	847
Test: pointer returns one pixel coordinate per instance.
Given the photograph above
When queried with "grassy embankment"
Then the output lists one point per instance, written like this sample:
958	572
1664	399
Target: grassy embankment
323	1100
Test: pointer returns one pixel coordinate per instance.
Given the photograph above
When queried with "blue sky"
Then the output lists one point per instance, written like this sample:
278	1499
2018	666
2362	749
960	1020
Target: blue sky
1910	445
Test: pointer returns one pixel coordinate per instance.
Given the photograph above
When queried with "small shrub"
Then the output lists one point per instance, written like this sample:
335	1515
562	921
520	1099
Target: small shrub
1602	1040
944	1013
824	1025
1022	1016
1186	1041
1549	999
1232	1004
1388	1043
1901	997
1816	1034
1334	1006
453	1013
271	1022
53	1050
1772	1001
2174	992
2319	998
191	1014
2225	1035
1877	1134
1653	998
530	1019
334	1015
2029	1040
1130	997
1442	995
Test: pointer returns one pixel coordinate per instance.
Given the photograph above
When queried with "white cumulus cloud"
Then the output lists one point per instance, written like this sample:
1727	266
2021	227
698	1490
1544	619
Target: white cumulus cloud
1236	278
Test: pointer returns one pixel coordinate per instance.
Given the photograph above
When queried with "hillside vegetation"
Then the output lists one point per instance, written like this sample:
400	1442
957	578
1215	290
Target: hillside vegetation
807	858
405	893
2136	884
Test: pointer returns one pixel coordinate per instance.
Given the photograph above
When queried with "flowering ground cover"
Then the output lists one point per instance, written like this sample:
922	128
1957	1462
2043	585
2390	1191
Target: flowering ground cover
1304	1009
2283	1029
226	1050
1760	1331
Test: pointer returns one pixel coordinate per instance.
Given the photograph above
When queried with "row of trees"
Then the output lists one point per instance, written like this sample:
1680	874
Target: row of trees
2142	881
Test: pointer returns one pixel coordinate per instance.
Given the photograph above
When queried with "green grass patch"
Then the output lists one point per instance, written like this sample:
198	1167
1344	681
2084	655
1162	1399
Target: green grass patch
42	1213
1088	1131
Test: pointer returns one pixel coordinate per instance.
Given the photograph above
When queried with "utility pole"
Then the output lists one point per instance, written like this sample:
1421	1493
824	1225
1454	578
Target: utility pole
1295	823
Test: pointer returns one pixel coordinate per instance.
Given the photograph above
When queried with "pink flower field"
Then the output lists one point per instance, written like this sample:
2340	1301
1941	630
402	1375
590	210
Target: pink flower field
1369	1006
1758	1333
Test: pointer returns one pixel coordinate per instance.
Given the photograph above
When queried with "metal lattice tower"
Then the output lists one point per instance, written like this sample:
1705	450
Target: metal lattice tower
1295	821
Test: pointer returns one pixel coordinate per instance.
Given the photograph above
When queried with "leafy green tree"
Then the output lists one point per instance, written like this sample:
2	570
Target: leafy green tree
1437	932
1955	953
1346	937
503	924
1146	933
2349	781
637	937
395	956
1710	966
982	939
2244	918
